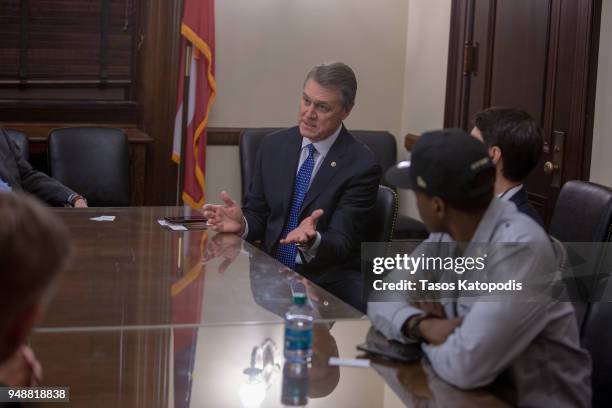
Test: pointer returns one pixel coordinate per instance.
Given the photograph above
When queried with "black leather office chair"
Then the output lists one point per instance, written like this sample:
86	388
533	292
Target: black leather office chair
597	338
380	226
21	140
250	139
583	213
383	145
379	229
93	162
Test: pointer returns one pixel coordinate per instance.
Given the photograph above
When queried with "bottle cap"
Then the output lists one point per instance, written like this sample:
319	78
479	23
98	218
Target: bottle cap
299	298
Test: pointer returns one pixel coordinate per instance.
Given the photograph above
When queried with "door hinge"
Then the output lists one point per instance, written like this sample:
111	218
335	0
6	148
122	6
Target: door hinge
470	58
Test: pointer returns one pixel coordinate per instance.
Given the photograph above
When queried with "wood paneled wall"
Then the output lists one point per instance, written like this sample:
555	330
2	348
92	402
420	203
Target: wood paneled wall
144	98
157	75
146	101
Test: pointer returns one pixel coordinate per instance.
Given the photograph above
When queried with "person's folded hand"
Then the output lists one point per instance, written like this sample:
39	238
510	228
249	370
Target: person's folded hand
436	331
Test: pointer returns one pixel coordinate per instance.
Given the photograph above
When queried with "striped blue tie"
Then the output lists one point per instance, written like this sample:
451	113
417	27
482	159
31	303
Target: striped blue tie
287	253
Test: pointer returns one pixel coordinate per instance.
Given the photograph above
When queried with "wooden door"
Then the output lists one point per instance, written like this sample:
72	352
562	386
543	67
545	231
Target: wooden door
537	55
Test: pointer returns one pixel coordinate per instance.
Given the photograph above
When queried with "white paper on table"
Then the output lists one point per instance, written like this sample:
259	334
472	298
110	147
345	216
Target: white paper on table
104	218
173	227
349	362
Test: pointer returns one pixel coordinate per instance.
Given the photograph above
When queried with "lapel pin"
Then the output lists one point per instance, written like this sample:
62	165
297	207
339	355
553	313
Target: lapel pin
333	164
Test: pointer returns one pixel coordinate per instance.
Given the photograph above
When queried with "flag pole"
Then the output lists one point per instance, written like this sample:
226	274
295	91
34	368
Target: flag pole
186	80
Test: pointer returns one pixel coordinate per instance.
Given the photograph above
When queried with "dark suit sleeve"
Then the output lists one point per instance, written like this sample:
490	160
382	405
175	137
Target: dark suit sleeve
347	226
521	200
38	183
527	209
256	210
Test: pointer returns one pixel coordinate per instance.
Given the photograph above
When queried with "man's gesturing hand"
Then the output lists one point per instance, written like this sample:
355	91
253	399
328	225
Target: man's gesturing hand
306	232
225	218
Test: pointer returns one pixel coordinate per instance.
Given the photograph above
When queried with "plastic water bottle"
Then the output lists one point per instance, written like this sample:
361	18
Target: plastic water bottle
298	330
295	385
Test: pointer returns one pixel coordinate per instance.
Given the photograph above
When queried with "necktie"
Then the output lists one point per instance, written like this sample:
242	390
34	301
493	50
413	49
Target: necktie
286	253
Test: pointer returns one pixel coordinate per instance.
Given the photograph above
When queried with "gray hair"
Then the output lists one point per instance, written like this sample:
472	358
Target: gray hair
336	75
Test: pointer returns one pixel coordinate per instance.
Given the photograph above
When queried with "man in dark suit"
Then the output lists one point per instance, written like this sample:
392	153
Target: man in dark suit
515	146
313	189
17	174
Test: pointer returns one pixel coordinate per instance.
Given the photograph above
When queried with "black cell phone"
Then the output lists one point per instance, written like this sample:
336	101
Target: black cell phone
376	344
186	219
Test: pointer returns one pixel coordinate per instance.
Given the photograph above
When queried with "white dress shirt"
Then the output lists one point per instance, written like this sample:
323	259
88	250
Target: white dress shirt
507	195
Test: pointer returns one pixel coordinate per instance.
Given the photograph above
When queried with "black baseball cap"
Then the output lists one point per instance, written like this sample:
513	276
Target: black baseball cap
445	163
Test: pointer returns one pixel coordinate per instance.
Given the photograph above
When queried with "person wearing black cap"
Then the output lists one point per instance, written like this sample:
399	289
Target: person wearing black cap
532	349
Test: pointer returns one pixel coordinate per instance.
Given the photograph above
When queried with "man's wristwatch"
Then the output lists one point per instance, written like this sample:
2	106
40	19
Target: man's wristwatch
412	328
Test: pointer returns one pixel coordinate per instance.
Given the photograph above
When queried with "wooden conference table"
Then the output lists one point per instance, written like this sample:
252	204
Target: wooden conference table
150	317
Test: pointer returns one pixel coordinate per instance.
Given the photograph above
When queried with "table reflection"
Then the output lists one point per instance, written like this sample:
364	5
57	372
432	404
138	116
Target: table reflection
134	272
221	368
233	366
